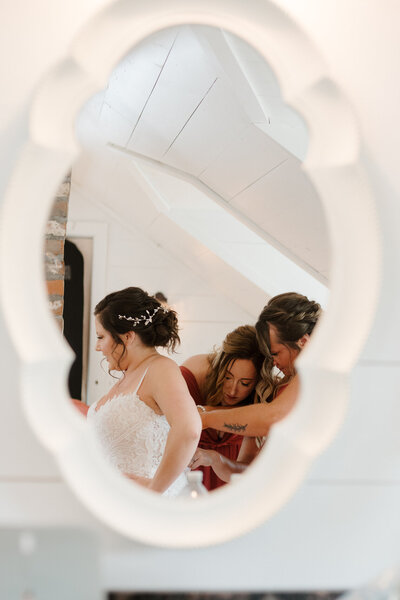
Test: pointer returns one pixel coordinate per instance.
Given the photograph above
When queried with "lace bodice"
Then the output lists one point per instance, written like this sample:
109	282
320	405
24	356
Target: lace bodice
132	436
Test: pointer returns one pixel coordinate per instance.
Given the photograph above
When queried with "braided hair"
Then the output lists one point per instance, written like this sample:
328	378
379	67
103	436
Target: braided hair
292	316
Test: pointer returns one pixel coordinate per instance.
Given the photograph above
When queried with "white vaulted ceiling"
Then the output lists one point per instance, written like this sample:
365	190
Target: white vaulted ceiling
194	117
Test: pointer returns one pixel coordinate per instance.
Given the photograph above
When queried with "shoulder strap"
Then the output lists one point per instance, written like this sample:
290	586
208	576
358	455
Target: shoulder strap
141	381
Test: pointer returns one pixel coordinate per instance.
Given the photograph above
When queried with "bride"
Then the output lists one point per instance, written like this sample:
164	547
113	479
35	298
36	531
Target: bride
147	424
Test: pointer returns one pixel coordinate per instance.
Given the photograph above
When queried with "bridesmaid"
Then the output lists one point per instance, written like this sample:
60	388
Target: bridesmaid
283	329
224	378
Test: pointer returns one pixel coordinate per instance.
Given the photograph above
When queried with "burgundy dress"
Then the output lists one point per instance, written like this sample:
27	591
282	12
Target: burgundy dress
228	445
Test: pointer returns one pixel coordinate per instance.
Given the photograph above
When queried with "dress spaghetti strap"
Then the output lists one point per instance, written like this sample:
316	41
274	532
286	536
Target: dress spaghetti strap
140	382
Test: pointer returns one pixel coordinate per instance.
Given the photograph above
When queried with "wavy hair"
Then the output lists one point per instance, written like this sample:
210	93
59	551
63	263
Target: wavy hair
241	343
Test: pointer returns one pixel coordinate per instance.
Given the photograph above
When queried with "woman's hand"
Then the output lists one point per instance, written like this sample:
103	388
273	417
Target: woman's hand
202	458
222	466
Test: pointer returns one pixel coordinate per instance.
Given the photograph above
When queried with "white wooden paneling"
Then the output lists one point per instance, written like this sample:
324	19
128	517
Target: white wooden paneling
175	97
278	120
252	155
80	207
123	232
125	196
215	125
234	284
218	132
132	81
214	223
172	237
178	193
170	281
116	128
268	269
136	253
200	338
211	308
201	260
216	41
239	247
285	204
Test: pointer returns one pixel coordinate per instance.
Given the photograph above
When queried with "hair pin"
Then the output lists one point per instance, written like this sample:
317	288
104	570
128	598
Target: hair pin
147	318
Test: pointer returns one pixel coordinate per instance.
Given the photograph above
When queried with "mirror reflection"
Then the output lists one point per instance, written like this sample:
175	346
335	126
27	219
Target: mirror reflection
190	182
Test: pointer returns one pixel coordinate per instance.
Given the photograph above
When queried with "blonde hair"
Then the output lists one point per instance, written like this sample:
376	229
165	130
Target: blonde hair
241	343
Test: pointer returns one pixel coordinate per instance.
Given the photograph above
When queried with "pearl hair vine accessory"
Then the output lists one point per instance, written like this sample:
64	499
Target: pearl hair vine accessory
147	318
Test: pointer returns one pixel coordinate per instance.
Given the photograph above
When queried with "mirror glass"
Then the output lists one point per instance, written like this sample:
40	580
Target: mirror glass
190	183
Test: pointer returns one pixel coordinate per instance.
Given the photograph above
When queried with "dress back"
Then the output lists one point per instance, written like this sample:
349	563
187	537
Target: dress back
132	435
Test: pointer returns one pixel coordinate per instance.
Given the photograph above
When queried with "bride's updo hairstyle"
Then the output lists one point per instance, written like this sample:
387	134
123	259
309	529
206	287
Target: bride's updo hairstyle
133	309
292	315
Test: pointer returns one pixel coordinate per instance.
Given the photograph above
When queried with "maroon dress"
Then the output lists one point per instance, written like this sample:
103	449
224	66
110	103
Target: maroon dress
228	445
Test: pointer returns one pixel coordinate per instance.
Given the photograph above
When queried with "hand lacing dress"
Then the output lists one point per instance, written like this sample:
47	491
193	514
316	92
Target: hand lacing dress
132	435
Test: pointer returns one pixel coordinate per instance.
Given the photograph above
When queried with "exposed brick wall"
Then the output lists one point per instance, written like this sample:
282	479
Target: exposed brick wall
54	249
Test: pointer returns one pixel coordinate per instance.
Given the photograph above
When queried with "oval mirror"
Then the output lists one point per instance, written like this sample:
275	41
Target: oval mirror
230	169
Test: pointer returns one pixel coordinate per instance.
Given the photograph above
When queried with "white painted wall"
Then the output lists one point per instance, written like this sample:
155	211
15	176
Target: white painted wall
343	526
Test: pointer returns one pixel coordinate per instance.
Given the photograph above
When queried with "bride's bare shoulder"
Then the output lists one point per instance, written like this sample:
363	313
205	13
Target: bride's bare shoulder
163	363
166	367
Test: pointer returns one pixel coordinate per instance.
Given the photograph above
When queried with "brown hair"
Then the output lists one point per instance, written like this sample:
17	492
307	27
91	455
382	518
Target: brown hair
133	302
292	315
238	344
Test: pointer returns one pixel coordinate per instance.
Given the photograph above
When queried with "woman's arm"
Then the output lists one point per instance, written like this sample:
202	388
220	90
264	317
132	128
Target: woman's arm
170	392
255	419
222	466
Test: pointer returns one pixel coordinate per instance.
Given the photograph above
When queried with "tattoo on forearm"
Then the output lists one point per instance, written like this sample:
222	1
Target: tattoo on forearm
235	427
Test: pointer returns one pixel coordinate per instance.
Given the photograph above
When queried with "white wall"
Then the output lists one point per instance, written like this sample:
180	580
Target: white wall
342	527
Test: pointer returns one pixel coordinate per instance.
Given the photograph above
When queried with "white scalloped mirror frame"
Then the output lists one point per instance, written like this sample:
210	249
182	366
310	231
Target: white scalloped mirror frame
334	166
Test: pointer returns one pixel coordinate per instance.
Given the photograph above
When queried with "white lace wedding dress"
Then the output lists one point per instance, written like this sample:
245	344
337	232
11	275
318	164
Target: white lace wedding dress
132	436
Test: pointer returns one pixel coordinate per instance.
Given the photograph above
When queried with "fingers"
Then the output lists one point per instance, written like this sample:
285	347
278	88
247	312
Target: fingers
201	458
197	460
